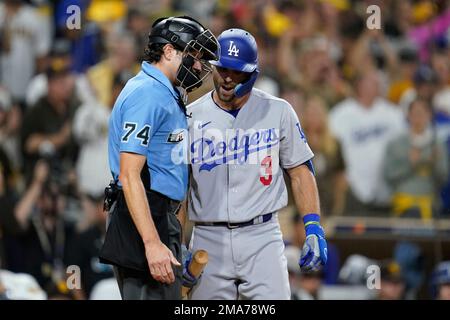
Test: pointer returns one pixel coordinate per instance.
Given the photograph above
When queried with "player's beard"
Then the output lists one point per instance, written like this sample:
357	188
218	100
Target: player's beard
225	92
225	95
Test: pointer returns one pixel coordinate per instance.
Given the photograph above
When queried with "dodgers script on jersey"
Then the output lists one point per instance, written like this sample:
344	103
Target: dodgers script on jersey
236	162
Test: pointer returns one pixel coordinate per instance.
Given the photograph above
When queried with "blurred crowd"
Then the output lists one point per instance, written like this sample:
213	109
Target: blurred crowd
374	105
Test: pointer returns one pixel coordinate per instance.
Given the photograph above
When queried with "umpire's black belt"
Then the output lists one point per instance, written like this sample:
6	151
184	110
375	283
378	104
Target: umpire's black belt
113	191
233	225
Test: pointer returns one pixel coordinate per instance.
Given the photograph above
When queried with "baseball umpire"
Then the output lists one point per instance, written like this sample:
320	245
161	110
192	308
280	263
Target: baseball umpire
147	127
242	139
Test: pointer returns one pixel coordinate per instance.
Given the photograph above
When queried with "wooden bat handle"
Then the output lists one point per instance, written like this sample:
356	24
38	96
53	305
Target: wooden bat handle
198	263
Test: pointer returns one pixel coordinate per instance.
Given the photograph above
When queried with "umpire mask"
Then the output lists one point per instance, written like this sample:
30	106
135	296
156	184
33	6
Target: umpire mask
202	49
195	41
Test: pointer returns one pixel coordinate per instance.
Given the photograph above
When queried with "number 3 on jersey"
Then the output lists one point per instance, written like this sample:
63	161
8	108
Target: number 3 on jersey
266	171
143	134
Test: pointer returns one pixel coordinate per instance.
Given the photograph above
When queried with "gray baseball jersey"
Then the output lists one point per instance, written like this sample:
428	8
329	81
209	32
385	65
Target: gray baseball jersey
236	162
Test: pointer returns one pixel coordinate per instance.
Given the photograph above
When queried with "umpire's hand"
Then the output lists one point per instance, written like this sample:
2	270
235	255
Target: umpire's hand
160	260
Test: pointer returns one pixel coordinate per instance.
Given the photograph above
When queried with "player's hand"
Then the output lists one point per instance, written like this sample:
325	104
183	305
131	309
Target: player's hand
160	260
315	251
189	280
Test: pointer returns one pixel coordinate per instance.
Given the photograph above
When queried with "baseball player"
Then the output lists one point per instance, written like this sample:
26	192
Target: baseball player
147	126
241	140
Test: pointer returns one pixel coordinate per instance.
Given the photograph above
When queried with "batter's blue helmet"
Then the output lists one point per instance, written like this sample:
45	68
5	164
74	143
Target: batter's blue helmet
239	52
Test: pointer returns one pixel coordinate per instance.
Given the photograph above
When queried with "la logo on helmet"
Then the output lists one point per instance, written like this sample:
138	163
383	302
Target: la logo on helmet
233	50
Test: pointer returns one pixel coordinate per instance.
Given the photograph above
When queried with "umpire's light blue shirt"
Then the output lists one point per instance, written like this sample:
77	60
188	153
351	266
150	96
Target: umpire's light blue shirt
148	120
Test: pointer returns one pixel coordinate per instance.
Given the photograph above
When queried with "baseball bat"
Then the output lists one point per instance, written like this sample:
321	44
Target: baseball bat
198	263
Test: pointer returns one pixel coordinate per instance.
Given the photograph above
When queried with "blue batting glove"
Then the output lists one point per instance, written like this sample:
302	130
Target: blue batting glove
188	279
315	251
